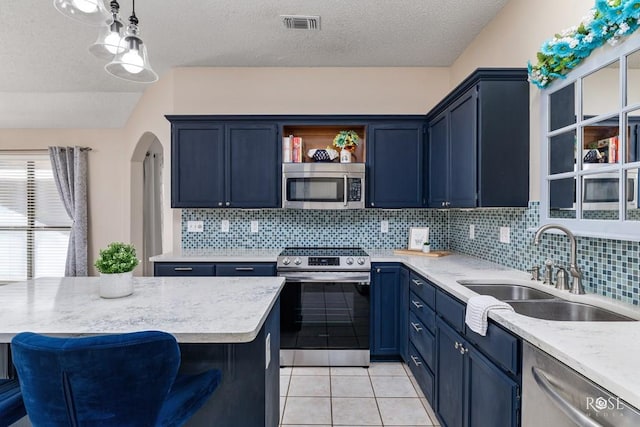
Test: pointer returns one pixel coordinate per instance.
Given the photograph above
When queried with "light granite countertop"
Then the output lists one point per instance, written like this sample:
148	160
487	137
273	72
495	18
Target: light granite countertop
193	309
605	352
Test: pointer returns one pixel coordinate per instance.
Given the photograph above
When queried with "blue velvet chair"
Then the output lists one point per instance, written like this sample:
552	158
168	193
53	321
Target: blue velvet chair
108	380
11	406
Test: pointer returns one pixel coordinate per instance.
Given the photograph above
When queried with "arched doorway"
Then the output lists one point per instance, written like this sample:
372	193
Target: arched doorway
147	164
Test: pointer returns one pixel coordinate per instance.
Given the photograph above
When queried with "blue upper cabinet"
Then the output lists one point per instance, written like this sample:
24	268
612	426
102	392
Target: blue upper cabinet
394	161
254	172
198	166
224	164
478	142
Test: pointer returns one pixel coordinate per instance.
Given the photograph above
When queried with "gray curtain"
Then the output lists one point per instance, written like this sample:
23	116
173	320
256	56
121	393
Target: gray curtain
69	166
152	209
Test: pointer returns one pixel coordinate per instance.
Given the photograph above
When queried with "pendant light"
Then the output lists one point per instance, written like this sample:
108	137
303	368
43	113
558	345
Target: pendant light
91	12
132	63
110	37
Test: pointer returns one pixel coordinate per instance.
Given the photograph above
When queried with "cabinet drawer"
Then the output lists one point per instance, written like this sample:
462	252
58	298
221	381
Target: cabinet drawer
423	312
422	373
422	340
450	310
499	345
183	269
245	270
423	289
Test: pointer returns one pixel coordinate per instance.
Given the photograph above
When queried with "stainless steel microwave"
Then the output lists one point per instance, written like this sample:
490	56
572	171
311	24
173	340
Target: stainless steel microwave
601	191
323	185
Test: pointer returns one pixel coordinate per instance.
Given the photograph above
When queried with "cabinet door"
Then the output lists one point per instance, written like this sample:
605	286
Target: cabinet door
403	322
385	310
493	397
197	166
233	269
449	376
183	269
395	165
254	174
438	161
463	151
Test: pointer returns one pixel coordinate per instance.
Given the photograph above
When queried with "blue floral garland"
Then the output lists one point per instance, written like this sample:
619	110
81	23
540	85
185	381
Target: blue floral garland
608	21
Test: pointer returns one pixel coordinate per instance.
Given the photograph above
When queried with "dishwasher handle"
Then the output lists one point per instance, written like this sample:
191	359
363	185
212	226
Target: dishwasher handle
575	414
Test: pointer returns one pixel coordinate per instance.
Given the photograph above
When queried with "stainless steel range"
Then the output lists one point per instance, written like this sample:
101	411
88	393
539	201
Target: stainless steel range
324	314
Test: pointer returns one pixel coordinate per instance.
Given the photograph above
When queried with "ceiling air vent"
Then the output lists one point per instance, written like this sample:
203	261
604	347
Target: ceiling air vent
301	22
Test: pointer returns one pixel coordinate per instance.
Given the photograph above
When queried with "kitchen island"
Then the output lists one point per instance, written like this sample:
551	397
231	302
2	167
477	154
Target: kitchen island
230	323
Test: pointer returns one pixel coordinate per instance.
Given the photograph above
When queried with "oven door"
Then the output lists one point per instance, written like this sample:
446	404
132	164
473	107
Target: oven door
324	319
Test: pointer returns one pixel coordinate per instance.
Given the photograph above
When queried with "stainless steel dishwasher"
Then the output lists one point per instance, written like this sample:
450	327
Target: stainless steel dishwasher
555	395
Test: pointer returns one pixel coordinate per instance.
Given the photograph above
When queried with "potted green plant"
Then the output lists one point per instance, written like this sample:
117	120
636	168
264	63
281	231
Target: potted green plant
426	247
116	264
346	141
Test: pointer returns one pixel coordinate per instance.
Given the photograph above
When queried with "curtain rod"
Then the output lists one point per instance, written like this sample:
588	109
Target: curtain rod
36	150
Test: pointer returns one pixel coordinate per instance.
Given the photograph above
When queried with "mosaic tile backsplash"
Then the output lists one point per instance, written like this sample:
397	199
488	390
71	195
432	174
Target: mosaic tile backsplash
610	267
290	227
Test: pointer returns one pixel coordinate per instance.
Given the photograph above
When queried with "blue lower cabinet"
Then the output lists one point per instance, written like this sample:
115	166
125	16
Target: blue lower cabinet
385	311
422	373
471	391
184	269
450	378
493	397
404	314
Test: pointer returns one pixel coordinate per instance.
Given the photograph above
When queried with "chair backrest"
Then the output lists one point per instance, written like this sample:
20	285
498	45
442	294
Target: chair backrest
108	380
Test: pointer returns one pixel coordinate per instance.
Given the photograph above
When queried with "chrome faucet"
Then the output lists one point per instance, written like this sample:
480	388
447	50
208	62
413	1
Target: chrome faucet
574	270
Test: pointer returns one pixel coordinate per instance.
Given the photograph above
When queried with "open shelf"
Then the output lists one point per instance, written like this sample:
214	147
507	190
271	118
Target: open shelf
321	137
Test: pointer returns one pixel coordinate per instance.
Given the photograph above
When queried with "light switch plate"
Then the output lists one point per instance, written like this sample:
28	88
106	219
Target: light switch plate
384	226
224	226
254	226
195	226
472	231
505	235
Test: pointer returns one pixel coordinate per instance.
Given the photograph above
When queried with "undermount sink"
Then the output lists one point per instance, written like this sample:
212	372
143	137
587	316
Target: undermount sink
566	311
542	305
507	292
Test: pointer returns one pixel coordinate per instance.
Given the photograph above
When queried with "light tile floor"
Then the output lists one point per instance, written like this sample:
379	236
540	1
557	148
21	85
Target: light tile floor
385	394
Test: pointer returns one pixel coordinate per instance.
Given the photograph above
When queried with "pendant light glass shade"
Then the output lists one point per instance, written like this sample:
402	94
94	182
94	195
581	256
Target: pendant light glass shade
109	42
132	63
90	12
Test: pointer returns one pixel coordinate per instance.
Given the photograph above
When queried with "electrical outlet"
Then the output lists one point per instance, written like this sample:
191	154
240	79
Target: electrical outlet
195	226
224	226
505	235
254	226
472	231
384	226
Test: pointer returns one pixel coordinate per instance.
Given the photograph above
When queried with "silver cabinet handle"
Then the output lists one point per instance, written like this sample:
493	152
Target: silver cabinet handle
346	189
463	350
244	268
228	203
444	204
378	270
417	282
458	345
219	203
576	415
447	204
416	361
183	269
417	304
416	326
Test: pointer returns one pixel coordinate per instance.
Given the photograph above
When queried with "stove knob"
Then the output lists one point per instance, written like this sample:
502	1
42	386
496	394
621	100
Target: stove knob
286	261
361	261
349	261
297	261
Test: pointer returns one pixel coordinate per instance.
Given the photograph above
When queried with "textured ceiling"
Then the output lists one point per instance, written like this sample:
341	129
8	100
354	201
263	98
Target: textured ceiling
49	79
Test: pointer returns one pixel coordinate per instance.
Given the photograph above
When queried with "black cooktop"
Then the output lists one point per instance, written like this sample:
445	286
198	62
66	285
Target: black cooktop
323	252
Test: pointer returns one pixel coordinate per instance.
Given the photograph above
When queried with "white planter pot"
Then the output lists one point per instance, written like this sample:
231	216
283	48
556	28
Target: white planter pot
116	285
426	248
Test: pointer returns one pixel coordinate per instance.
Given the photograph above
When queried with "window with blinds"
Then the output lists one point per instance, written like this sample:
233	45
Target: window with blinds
34	225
